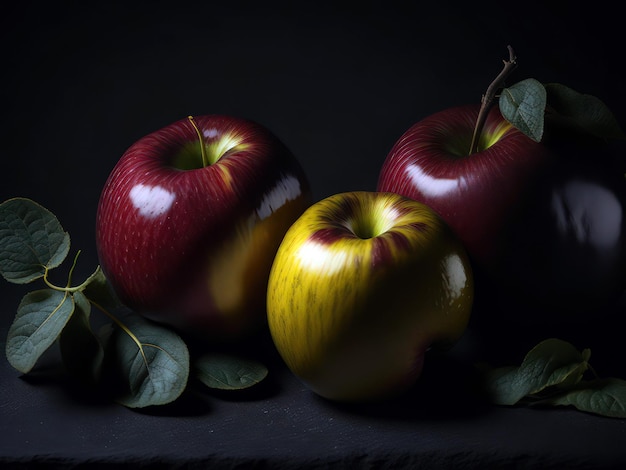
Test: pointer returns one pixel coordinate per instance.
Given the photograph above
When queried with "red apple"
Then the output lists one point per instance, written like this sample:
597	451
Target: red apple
545	226
474	194
190	219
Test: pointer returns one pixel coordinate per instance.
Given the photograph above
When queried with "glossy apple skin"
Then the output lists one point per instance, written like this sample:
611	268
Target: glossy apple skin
476	194
362	286
566	248
534	217
193	247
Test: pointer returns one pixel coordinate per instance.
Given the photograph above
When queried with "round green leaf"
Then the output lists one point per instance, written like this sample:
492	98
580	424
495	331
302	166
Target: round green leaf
41	316
551	363
524	106
605	397
151	361
228	372
31	240
500	383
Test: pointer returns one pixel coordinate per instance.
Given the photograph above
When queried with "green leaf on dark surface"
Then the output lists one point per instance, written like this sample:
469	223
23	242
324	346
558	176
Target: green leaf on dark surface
229	372
552	374
151	361
41	316
523	105
551	363
582	112
606	397
31	240
81	350
501	385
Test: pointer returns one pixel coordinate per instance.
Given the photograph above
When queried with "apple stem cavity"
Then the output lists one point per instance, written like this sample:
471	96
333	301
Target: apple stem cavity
205	158
489	96
366	229
366	225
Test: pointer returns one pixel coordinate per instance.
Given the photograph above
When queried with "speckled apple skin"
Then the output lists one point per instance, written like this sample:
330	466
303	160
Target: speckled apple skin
193	248
475	194
353	315
544	223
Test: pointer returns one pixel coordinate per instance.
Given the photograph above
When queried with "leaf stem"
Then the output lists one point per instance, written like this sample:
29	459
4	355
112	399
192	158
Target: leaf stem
68	287
69	276
205	158
119	323
58	288
488	97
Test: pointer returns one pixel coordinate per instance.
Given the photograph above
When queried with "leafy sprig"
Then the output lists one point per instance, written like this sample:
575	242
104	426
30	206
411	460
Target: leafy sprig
554	373
528	103
149	363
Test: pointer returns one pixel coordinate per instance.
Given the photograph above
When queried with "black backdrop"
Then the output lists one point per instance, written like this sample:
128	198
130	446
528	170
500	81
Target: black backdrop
338	83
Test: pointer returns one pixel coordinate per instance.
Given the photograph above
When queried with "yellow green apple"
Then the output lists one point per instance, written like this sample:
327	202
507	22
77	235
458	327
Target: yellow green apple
362	286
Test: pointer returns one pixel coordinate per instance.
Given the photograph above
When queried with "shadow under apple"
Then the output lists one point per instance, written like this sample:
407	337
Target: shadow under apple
448	389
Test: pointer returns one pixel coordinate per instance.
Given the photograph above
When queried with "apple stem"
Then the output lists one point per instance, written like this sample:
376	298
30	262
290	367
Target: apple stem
205	158
488	97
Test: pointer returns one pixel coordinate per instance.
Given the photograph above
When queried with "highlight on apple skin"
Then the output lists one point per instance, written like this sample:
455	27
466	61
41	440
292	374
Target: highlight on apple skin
186	232
474	193
543	223
363	284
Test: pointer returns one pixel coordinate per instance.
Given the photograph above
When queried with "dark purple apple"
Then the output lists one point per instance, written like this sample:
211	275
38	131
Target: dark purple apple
566	246
190	219
544	223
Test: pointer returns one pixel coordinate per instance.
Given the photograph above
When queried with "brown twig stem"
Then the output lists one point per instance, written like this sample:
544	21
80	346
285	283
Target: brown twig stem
488	97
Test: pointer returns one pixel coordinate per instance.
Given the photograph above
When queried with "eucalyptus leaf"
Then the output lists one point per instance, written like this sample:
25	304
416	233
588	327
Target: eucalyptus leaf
501	385
81	350
582	112
151	361
569	375
41	316
551	363
31	240
523	105
229	372
606	397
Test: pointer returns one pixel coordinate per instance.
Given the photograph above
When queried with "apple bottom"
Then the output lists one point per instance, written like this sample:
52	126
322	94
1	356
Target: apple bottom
342	379
377	350
367	342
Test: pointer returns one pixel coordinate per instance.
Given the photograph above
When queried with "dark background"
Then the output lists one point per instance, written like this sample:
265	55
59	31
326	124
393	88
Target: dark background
338	83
